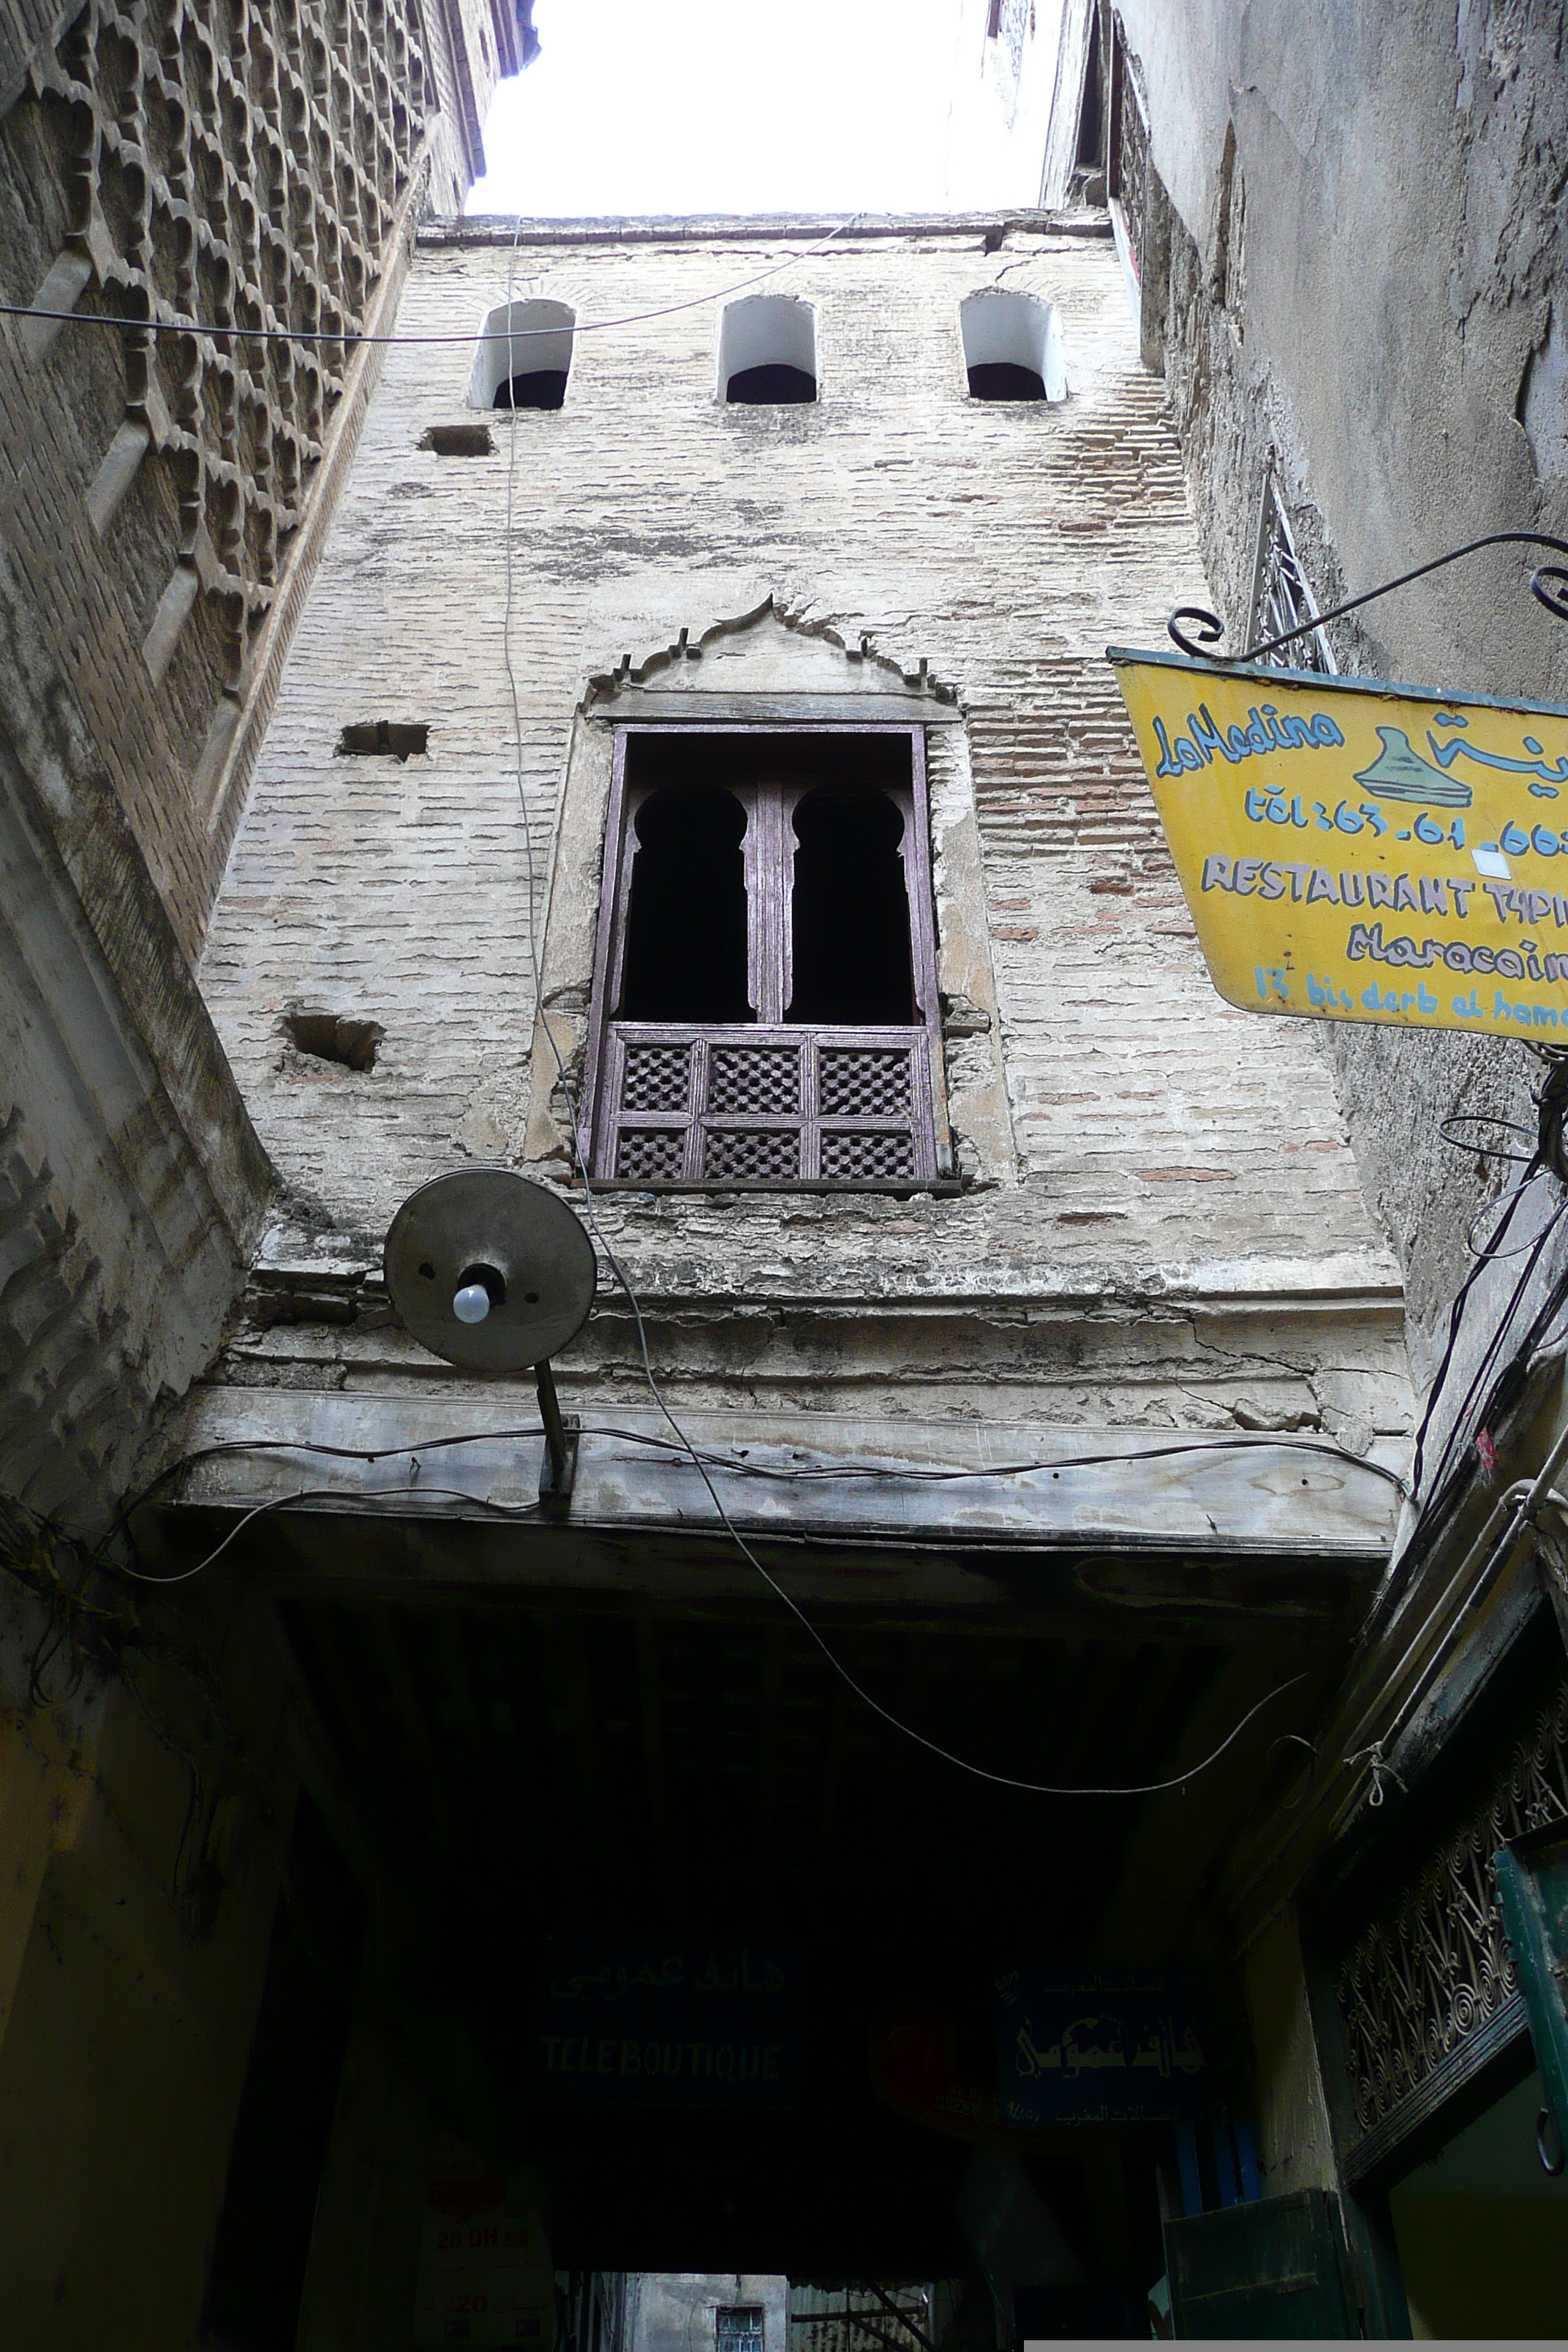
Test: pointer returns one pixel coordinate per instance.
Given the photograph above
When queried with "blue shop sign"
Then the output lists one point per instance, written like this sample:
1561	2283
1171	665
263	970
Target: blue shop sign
1098	2046
676	2024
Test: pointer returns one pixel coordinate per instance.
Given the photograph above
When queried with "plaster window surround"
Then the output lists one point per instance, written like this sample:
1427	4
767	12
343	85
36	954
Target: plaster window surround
1012	346
531	372
767	350
781	1041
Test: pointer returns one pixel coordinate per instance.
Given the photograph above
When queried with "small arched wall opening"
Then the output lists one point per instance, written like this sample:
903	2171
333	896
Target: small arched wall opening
767	349
1012	346
531	371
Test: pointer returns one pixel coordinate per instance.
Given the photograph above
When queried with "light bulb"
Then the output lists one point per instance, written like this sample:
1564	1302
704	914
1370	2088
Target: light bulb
472	1303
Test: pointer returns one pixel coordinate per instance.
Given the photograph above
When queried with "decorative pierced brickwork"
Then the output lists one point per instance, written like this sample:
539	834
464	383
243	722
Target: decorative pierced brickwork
243	164
239	166
1433	1967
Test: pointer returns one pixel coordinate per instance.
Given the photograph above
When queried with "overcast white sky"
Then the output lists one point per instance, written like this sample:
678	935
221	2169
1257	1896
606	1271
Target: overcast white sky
732	106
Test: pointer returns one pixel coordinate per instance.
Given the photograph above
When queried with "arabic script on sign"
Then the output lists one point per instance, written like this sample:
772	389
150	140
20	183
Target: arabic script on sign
1361	852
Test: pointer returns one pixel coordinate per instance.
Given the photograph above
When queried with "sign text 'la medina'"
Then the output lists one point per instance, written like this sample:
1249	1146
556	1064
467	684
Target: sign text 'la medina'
1364	852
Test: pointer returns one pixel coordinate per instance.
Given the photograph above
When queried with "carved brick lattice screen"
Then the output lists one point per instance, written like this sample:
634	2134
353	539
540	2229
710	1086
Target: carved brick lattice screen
1431	1970
239	163
767	1105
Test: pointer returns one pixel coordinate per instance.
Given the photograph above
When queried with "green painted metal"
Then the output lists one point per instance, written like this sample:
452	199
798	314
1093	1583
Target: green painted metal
1278	2268
1532	1890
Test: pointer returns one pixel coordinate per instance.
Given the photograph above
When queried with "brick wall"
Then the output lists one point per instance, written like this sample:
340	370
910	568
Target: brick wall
1165	1145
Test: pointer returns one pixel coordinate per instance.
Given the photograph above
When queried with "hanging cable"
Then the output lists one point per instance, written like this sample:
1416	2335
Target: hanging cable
961	1763
511	335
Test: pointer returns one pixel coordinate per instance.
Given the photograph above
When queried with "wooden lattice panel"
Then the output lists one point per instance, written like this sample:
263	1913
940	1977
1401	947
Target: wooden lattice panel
766	1106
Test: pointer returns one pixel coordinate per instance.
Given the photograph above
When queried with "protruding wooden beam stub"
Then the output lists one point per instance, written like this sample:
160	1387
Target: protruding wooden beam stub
115	473
173	611
61	290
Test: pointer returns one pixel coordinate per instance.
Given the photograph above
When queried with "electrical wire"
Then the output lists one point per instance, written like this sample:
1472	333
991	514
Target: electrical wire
354	1501
737	1466
961	1763
511	336
682	1443
1493	1350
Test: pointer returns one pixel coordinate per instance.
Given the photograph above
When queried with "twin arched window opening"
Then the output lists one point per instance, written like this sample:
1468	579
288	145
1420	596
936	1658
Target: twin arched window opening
781	899
827	940
765	995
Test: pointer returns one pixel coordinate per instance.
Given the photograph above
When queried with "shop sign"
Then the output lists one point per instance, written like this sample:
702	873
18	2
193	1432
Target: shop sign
485	2273
1361	852
1098	2046
645	2024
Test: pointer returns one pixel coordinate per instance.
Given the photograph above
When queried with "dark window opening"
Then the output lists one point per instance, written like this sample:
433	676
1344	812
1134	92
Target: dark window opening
285	2121
850	912
1006	380
1090	138
328	1037
539	388
459	440
773	385
386	738
686	919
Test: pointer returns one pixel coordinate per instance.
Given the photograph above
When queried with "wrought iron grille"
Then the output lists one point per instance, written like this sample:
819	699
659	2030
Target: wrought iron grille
896	2317
1281	599
738	2327
757	1106
1433	1965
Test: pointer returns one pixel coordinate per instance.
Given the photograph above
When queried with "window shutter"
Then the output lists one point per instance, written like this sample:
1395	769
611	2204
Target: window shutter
1274	2268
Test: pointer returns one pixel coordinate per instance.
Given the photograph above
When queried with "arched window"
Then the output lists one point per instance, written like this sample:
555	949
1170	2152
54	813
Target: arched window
767	349
766	1004
524	356
686	911
1012	346
850	912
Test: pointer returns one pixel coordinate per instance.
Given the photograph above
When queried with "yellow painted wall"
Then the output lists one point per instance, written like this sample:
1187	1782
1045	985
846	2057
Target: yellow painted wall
123	2039
1483	2232
1295	2147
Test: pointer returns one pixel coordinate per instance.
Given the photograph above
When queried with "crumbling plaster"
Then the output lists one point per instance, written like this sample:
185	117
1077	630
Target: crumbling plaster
1149	1181
1363	309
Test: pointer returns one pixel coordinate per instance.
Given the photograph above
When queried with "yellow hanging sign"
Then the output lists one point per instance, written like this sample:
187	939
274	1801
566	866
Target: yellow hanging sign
1362	851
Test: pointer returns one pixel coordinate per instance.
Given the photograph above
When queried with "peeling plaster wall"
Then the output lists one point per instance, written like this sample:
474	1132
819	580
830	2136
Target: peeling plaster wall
1163	1220
1365	285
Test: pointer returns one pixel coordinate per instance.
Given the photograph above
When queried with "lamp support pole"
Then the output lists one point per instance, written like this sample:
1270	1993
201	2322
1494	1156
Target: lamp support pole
559	1467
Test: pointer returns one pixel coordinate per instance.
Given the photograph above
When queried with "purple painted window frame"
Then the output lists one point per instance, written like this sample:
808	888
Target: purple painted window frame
768	928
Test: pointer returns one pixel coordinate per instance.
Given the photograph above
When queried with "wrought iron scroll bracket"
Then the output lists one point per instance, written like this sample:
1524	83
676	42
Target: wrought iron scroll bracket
1548	585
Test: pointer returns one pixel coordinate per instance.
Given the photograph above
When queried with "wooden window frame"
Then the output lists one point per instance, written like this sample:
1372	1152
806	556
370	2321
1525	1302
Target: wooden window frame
833	1110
